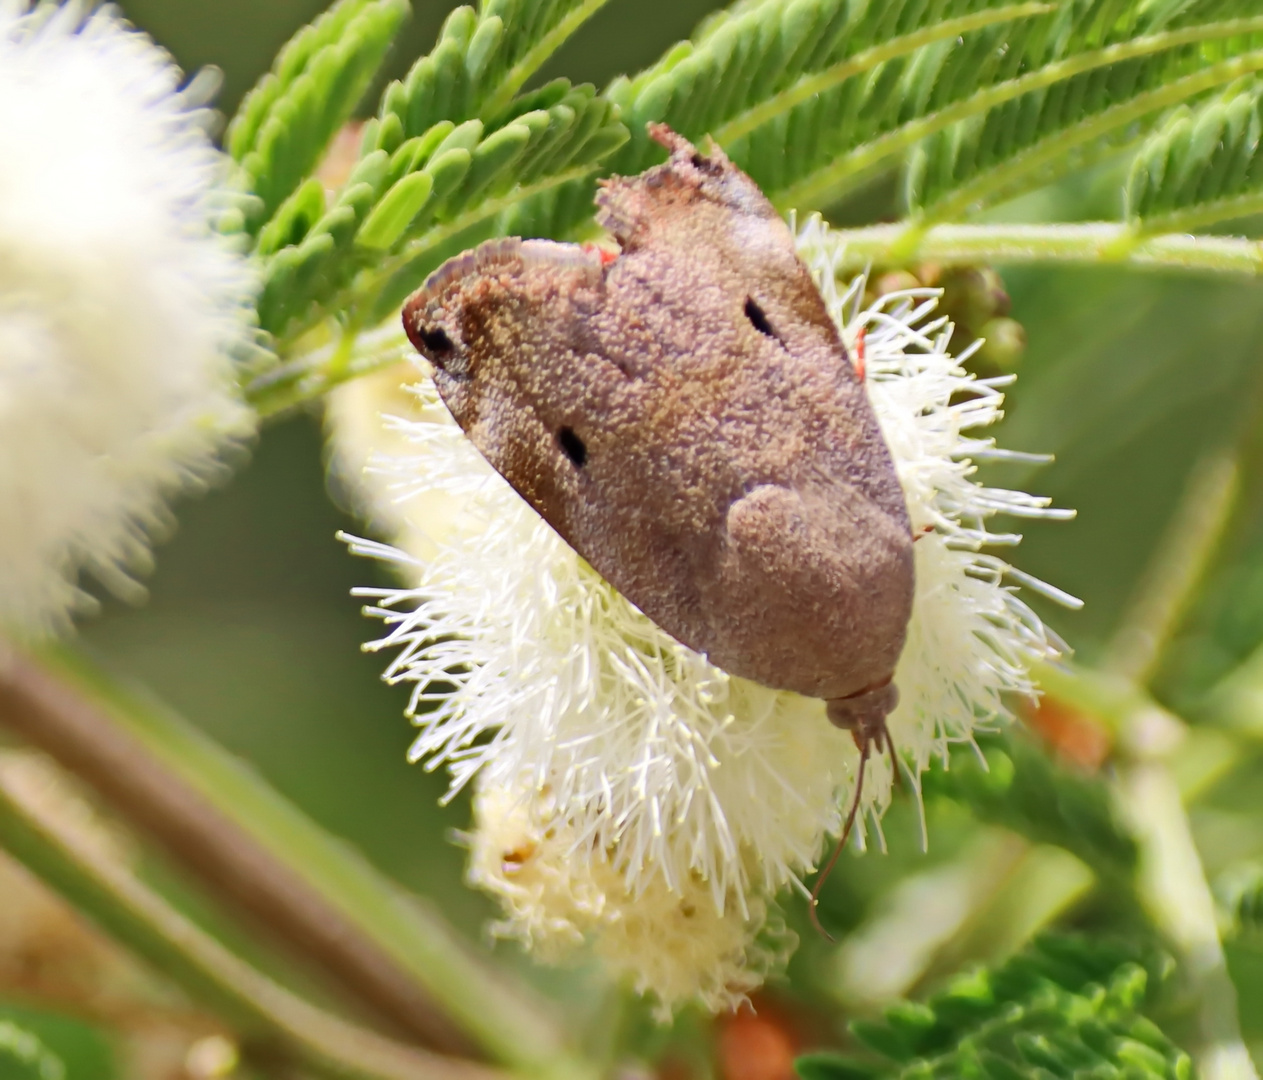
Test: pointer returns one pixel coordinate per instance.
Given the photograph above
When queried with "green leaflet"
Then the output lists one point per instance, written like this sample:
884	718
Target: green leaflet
286	122
1203	165
390	217
481	60
1064	1006
450	148
294	219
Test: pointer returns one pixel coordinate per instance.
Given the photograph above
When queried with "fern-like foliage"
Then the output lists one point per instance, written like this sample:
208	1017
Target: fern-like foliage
1106	77
1064	1007
24	1057
979	99
285	123
481	61
747	68
1203	165
1018	786
453	146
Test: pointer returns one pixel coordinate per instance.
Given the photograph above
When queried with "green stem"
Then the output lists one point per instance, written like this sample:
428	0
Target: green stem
819	187
36	828
1198	217
1091	242
311	375
244	841
1176	569
818	83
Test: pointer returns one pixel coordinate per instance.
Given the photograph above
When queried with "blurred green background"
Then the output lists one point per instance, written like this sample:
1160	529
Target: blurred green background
1130	379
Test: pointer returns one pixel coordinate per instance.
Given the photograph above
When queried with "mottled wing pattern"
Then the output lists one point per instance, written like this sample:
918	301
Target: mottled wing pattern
686	417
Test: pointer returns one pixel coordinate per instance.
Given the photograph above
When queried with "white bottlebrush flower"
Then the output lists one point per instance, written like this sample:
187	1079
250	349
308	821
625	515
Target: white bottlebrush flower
670	941
120	305
618	774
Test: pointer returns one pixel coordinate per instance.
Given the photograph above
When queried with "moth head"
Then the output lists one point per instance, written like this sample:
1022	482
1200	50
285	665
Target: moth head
436	337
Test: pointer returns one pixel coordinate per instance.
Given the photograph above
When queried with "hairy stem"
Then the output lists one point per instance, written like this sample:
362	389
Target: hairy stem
1088	243
41	825
1174	888
248	845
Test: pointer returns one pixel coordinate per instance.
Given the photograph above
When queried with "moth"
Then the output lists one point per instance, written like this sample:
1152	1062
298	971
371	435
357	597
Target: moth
684	413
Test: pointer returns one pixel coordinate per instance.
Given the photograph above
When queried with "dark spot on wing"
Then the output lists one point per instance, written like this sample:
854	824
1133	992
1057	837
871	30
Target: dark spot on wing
436	340
573	447
758	319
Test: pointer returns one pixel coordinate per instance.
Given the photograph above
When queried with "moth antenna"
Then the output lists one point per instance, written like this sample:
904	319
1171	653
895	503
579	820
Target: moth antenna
895	771
823	876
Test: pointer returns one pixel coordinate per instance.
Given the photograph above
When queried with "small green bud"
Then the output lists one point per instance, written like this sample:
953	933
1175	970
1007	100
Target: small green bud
972	296
1004	344
895	281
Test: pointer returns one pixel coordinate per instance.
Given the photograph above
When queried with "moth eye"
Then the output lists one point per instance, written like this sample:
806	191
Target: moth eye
758	319
573	447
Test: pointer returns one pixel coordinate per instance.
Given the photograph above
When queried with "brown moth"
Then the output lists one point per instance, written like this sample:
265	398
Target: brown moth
685	415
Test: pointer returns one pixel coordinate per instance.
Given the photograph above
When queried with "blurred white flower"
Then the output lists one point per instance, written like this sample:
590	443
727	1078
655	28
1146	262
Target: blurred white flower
620	776
120	305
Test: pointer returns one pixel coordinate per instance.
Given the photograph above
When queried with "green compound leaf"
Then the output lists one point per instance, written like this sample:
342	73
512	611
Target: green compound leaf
1020	787
24	1057
1202	166
748	68
398	211
1065	1006
481	61
533	152
980	100
1004	107
754	67
285	123
304	273
1081	98
451	149
811	98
